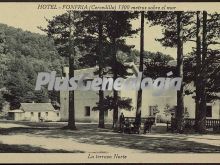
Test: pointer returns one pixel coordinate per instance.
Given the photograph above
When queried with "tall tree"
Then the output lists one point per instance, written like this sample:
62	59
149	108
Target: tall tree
101	67
207	67
108	37
202	116
180	93
176	31
198	68
95	40
66	35
118	26
71	120
139	96
201	85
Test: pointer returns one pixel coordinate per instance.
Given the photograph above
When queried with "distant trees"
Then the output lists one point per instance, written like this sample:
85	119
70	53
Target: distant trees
2	66
22	56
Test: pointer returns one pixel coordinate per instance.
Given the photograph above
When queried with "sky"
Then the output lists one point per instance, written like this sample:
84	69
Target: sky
27	17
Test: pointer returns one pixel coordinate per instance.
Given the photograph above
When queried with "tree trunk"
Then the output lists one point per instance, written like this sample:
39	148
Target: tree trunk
115	93
202	103
71	120
115	111
101	92
139	96
180	96
198	70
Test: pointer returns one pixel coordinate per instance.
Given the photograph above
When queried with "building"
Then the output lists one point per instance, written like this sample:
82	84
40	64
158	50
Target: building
85	101
34	112
163	104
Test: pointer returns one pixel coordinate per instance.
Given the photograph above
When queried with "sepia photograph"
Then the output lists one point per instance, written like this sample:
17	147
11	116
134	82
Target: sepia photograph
106	82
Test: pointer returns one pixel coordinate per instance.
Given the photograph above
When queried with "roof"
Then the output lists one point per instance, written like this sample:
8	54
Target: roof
16	111
37	107
91	71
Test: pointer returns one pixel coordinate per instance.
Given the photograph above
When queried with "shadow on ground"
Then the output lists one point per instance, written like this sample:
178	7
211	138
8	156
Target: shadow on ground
6	148
90	134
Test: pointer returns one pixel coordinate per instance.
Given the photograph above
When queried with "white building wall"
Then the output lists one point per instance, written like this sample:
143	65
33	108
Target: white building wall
82	100
30	117
18	116
149	98
189	103
52	116
129	94
64	105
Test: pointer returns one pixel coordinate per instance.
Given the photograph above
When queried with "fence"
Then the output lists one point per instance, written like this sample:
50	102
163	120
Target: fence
143	119
210	123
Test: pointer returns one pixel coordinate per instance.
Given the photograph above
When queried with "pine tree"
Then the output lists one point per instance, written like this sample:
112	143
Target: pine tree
139	97
207	65
104	33
95	40
176	31
118	26
66	34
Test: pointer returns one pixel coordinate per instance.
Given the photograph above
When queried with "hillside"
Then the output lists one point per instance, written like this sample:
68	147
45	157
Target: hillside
22	55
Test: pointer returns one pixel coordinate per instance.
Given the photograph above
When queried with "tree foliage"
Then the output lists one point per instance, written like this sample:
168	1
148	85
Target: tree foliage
23	54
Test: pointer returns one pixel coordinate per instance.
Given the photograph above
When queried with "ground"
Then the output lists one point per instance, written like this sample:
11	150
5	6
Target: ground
30	137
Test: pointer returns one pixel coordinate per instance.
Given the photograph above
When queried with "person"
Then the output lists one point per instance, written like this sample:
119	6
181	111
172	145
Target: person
147	126
127	128
135	127
121	120
173	122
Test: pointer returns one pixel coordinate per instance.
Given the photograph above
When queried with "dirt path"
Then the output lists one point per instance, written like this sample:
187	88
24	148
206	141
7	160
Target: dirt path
29	137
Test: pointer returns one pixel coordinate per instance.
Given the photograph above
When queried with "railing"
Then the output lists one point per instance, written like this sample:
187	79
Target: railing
143	119
190	122
130	125
210	123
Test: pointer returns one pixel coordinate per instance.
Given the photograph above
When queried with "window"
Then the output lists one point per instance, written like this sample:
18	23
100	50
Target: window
58	114
32	114
153	110
46	113
208	111
87	110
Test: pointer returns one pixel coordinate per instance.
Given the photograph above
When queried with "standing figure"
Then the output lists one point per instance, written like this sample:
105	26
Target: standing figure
121	120
147	126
